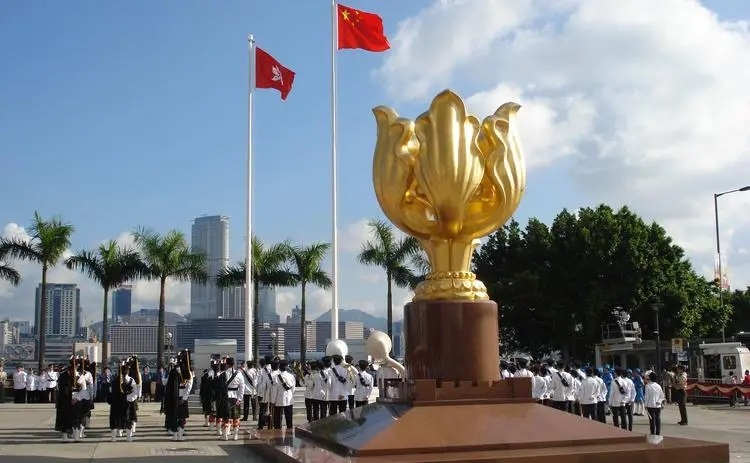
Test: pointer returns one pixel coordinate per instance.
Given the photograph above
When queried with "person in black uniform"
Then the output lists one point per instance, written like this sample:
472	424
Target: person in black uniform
207	397
171	397
117	402
64	416
185	368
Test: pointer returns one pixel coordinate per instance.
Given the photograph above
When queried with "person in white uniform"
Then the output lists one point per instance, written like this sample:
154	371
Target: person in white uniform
363	385
283	396
230	410
319	391
51	376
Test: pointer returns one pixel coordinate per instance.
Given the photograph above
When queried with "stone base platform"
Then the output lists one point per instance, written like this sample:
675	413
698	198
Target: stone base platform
472	432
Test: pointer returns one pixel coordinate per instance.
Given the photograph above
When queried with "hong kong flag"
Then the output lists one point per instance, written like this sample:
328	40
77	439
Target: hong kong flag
269	73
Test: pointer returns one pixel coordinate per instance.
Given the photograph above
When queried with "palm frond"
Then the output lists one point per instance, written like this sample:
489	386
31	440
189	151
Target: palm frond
372	255
16	248
232	276
269	260
384	235
110	265
384	250
169	256
402	276
405	248
189	266
420	263
10	274
306	262
149	244
51	238
132	266
283	278
88	263
321	279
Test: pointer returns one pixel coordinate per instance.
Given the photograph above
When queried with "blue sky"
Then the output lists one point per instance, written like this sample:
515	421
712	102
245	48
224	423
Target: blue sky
120	114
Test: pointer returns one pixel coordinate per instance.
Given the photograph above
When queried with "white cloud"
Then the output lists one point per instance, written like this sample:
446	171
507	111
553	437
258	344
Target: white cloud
286	299
550	128
18	302
318	301
646	114
354	235
451	33
374	276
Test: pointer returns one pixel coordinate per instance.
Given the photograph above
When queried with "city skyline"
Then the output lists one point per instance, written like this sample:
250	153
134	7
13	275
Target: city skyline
576	70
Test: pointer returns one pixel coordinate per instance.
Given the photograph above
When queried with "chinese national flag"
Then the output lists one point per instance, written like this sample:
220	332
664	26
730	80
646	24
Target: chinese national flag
360	29
269	73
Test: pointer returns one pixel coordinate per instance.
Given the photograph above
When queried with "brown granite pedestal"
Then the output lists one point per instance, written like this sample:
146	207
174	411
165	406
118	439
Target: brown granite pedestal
464	414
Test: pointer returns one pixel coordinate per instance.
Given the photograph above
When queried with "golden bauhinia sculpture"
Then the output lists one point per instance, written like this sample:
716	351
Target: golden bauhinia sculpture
448	180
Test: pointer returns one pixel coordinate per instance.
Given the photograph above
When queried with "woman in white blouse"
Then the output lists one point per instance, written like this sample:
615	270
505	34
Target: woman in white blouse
653	400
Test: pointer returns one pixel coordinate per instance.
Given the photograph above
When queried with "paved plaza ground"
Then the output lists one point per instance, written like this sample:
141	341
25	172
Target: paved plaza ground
26	436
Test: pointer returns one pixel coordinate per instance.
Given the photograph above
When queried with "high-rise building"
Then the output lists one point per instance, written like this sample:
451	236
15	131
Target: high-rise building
8	333
141	340
267	305
210	235
23	326
122	303
347	330
63	309
234	302
296	315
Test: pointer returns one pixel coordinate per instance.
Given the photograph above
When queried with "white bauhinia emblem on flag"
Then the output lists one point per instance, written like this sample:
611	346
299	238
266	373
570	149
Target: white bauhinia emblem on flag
277	75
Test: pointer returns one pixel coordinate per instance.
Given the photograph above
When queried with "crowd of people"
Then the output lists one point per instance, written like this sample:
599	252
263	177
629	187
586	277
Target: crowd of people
264	391
32	387
595	393
229	393
77	390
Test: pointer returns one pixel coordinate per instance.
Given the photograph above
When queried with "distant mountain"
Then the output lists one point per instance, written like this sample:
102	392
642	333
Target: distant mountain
354	315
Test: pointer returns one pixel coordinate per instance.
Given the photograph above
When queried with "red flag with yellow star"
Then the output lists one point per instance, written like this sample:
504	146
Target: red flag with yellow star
360	29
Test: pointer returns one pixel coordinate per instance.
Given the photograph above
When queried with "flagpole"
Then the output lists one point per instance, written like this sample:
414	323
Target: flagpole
249	232
334	179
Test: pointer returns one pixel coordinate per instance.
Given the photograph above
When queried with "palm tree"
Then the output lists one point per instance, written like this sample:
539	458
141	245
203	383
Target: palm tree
306	262
421	268
392	255
47	242
268	270
168	257
8	273
110	265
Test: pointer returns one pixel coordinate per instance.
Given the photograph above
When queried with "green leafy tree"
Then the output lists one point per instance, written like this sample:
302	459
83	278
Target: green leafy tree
556	286
307	269
269	269
740	302
392	255
168	257
110	265
48	240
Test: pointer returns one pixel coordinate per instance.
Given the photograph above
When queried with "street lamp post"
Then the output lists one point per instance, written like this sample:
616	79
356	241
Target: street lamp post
656	307
718	248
